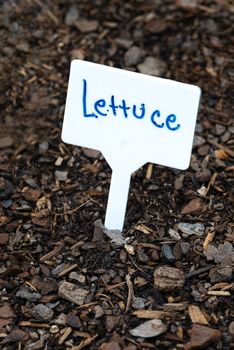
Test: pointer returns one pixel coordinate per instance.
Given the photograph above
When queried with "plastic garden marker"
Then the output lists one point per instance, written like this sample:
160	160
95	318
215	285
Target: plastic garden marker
132	119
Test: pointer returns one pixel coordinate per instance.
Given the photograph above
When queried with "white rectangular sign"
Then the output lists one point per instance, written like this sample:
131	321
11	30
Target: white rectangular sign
131	118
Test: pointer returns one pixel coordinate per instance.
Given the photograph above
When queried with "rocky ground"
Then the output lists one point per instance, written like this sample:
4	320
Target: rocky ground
63	283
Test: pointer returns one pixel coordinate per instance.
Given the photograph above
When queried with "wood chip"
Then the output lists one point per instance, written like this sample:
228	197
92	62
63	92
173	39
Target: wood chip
33	324
84	343
67	269
130	292
149	171
219	293
67	332
209	238
196	315
52	253
152	314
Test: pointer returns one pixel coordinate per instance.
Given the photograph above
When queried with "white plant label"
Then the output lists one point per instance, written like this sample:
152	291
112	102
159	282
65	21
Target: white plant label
132	119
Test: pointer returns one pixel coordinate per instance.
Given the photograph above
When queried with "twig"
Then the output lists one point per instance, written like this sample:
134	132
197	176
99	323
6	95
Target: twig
130	292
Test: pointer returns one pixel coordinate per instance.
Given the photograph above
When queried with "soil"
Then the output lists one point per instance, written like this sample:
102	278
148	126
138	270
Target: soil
63	283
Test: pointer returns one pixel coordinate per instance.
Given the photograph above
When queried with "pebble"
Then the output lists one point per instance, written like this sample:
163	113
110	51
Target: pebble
91	153
25	294
61	320
203	150
139	303
142	257
77	277
219	129
149	329
203	175
43	147
221	274
174	234
226	136
73	294
152	66
133	56
192	229
167	252
43	312
4	238
168	278
185	246
198	141
61	175
71	16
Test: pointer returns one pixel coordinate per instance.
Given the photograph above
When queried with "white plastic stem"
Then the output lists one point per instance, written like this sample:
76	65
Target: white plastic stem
117	200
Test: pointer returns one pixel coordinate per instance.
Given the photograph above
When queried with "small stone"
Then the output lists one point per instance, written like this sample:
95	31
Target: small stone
6	142
168	278
203	175
77	277
73	294
185	246
174	234
221	274
4	238
226	136
125	43
111	322
224	251
142	257
71	16
54	329
61	175
149	329
192	229
60	320
91	153
198	141
43	312
203	150
231	328
139	303
202	336
220	129
25	294
167	252
73	321
152	66
86	26
133	56
178	184
43	147
98	311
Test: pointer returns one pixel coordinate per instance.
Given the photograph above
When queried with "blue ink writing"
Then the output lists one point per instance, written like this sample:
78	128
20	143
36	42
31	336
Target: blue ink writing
101	109
157	114
84	101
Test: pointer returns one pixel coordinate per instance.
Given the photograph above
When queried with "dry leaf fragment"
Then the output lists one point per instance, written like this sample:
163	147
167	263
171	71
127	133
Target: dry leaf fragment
42	218
196	315
194	205
202	336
